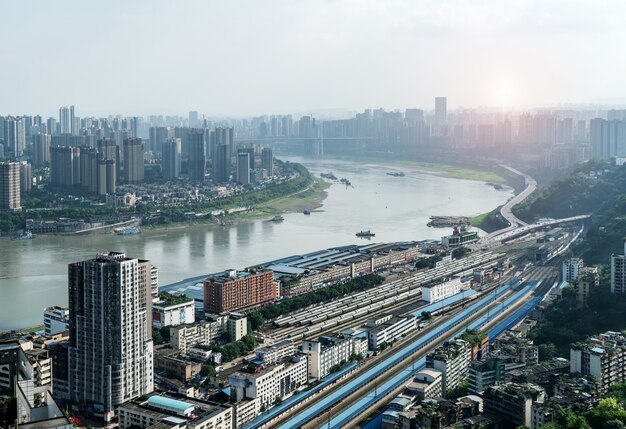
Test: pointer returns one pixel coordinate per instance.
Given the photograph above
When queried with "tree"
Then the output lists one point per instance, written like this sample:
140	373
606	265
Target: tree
460	252
157	337
608	410
256	320
208	371
426	315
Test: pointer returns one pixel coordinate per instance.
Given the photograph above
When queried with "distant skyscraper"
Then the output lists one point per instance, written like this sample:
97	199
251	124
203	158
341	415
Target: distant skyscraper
64	167
133	160
221	164
225	136
243	168
157	136
14	136
111	350
193	119
441	110
170	164
51	126
197	155
26	177
267	161
66	119
10	186
41	149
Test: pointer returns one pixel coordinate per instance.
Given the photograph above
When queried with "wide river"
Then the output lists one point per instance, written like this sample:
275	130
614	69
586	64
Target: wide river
33	273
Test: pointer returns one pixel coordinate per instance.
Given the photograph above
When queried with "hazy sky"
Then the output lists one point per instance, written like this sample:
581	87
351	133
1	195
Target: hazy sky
251	57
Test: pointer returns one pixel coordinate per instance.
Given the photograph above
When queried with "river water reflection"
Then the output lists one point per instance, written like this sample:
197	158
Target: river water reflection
33	273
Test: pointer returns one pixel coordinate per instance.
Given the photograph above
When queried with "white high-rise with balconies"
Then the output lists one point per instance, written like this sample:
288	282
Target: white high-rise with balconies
618	272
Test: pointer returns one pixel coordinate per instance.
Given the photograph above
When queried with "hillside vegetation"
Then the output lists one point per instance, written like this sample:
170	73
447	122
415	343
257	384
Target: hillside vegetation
597	188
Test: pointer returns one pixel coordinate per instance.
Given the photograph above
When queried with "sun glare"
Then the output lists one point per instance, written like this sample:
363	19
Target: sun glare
505	93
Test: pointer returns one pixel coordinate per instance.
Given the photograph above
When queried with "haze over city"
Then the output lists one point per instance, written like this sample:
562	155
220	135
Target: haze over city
241	58
313	214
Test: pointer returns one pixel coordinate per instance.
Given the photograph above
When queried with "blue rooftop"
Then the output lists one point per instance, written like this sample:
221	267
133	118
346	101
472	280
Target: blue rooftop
163	402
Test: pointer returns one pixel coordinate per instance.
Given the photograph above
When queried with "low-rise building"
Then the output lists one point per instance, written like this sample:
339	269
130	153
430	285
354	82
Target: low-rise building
182	337
571	269
490	371
275	352
330	351
434	293
452	360
436	413
588	279
172	310
33	406
511	403
427	383
56	320
237	326
390	331
182	369
268	384
522	349
161	411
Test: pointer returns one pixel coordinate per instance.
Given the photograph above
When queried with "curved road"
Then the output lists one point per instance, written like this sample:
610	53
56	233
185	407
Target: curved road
506	210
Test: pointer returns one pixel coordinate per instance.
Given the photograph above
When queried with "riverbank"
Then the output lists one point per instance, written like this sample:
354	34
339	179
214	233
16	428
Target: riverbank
438	169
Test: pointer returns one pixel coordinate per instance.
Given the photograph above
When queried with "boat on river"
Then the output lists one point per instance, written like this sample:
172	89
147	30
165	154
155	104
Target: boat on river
365	234
23	235
127	230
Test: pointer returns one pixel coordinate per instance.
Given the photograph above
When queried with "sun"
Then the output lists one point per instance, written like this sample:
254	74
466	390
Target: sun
505	92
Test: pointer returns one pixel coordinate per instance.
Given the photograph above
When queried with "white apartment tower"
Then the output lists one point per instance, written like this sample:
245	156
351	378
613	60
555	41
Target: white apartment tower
111	350
618	272
572	268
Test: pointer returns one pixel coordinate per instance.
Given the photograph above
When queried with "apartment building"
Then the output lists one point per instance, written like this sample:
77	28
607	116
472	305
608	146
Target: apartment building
512	403
603	356
266	384
452	359
329	351
239	290
390	331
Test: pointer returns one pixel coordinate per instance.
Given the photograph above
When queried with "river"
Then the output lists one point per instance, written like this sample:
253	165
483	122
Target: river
33	273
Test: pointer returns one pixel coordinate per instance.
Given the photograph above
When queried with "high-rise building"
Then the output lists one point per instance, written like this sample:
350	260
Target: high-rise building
26	177
51	126
157	136
197	155
10	186
111	350
243	168
170	164
66	119
133	160
193	119
14	135
221	164
234	291
226	136
441	110
618	272
41	149
267	161
64	167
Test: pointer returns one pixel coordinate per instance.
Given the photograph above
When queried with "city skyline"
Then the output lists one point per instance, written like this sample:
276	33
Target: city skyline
234	59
